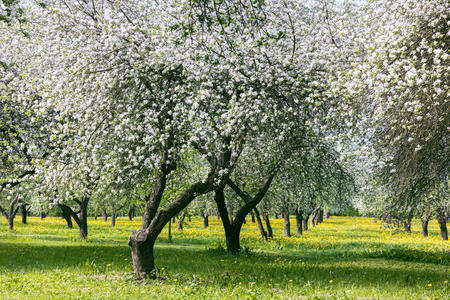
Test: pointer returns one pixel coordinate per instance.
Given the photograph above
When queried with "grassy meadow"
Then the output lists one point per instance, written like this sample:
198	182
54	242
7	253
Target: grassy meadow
342	258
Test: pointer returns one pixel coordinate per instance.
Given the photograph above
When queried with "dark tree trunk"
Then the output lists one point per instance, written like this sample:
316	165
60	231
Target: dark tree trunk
155	218
231	232
252	216
442	220
23	210
42	215
320	216
205	219
83	216
173	220
260	225
233	241
189	219
305	222
298	220
407	225
269	227
425	227
104	215
113	218
68	219
180	221
311	220
10	222
170	231
131	213
287	224
328	215
142	254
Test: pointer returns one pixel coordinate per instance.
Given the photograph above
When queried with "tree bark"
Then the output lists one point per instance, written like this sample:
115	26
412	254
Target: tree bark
66	215
23	210
425	227
113	218
131	213
205	219
260	224
442	220
170	231
305	222
104	215
142	246
42	215
180	221
269	227
287	224
252	216
298	220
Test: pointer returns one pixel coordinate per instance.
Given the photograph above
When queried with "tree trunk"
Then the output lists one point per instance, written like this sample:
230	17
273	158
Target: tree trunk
269	227
233	242
10	222
205	220
83	216
131	213
260	225
328	215
68	219
253	216
311	220
104	215
425	227
320	216
287	224
443	227
180	221
42	215
142	247
113	218
170	231
407	225
305	222
298	220
23	209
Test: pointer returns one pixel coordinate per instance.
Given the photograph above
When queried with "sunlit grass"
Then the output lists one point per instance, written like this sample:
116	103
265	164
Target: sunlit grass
345	257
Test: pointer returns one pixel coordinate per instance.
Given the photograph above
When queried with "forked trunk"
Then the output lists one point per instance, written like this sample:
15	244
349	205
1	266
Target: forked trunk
253	217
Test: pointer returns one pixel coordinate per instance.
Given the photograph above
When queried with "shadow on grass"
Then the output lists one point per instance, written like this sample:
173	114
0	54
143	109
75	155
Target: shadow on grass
218	268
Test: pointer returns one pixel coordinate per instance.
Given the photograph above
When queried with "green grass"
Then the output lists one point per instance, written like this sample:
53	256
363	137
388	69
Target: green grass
342	258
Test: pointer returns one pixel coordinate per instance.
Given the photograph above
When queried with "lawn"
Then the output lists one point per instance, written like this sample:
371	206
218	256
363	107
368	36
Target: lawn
344	257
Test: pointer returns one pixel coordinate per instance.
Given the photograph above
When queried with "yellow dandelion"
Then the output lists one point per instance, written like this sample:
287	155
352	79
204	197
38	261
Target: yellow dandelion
331	280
